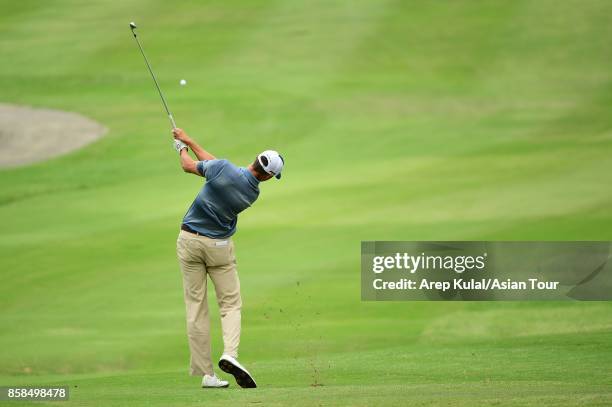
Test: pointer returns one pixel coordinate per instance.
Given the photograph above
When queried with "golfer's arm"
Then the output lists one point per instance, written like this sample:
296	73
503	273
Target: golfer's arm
199	151
189	164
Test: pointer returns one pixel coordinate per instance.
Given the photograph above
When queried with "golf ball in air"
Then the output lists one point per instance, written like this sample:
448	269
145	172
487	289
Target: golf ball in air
183	82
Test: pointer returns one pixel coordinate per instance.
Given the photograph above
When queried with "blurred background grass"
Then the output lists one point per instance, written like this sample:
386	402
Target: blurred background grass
398	121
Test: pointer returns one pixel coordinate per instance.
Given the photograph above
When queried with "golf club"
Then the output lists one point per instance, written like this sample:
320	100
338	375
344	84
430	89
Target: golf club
161	95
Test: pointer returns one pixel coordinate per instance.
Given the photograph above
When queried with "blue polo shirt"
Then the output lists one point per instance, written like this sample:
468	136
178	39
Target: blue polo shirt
228	191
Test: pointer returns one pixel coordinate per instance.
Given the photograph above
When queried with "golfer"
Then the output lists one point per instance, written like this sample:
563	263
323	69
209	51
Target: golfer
205	248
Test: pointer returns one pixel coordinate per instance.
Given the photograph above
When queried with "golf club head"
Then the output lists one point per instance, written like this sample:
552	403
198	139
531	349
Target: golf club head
132	26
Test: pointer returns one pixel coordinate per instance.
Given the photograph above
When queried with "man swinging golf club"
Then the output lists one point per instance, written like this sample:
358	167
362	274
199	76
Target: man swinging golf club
205	248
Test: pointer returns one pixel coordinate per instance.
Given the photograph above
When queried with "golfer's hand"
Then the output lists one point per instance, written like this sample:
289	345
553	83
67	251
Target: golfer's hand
180	135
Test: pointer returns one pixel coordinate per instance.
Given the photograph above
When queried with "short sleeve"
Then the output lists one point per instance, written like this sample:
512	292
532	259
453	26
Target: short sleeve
210	168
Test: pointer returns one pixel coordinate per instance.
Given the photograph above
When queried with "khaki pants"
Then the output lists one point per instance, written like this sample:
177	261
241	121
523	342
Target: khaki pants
199	257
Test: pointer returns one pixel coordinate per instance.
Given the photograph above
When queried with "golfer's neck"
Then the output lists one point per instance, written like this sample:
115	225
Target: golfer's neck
252	171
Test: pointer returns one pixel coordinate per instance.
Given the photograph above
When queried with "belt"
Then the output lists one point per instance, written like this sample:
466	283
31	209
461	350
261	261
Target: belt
189	230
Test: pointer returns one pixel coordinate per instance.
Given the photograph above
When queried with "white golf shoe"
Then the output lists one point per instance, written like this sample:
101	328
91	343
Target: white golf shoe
213	382
230	365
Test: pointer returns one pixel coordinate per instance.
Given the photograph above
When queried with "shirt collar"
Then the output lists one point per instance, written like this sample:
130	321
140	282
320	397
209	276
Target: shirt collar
252	178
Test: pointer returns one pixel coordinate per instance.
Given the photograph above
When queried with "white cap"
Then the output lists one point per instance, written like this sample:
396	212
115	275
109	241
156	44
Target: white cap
272	162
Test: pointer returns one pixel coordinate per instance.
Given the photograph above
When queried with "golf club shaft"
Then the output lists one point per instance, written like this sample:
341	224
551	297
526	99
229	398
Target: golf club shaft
161	95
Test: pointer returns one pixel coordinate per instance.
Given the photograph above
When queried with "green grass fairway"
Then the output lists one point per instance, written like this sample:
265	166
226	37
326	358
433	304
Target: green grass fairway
398	120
